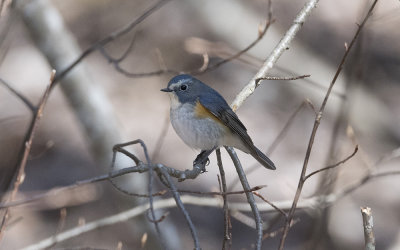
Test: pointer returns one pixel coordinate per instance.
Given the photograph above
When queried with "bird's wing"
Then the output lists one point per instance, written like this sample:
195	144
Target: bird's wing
221	110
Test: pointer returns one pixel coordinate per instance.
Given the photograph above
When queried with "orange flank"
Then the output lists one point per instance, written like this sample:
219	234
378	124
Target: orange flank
202	113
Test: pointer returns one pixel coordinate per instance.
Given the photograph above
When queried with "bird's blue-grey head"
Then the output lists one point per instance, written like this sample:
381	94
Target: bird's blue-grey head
187	89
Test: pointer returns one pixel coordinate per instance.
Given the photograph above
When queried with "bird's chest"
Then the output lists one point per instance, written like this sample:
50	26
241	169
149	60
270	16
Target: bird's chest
197	132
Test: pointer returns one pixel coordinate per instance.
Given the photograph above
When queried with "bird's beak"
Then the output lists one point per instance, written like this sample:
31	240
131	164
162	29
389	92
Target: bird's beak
166	90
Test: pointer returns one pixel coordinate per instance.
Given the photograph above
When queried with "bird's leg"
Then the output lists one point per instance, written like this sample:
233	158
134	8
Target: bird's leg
202	159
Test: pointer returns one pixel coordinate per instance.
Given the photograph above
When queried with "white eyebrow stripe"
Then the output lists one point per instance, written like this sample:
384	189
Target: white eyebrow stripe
172	86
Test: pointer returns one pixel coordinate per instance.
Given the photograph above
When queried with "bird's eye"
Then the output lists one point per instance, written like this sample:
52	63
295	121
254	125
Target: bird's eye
184	87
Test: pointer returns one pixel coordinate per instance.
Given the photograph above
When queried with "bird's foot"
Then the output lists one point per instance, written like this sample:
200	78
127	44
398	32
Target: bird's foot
202	160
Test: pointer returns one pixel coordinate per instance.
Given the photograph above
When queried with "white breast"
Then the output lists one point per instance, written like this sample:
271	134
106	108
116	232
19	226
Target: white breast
197	133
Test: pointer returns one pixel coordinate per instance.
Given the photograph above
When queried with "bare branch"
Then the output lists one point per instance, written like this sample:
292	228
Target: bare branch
20	176
19	95
333	165
150	191
315	128
276	141
114	35
310	203
180	205
250	197
274	78
227	241
271	204
276	53
368	224
115	173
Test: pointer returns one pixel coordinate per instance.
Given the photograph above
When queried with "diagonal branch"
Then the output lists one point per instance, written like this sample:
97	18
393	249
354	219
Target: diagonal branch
333	165
315	128
114	35
19	95
282	46
249	195
20	173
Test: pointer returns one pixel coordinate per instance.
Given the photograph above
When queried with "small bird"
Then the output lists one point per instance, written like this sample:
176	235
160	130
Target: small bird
203	119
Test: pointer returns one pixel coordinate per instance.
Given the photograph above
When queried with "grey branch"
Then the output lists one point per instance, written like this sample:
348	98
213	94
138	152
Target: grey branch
250	197
282	46
368	224
136	211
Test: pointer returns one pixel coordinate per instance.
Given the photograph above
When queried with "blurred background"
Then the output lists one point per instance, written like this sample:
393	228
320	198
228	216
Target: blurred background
69	146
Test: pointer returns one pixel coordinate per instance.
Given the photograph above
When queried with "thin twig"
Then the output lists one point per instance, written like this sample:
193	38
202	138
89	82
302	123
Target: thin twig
118	68
227	241
281	78
282	46
127	215
150	191
274	143
19	95
109	176
114	35
315	128
271	204
261	33
180	205
20	173
280	230
309	203
250	197
333	165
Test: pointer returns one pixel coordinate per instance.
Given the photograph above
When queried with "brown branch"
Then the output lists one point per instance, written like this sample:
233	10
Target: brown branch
227	240
118	68
114	35
206	67
271	204
333	165
261	33
315	128
19	178
277	139
280	230
109	176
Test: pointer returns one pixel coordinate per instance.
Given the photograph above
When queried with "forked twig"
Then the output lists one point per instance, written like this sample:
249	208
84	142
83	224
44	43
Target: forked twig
315	128
275	54
20	173
111	37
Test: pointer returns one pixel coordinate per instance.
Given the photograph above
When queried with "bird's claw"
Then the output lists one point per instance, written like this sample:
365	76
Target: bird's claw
201	162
